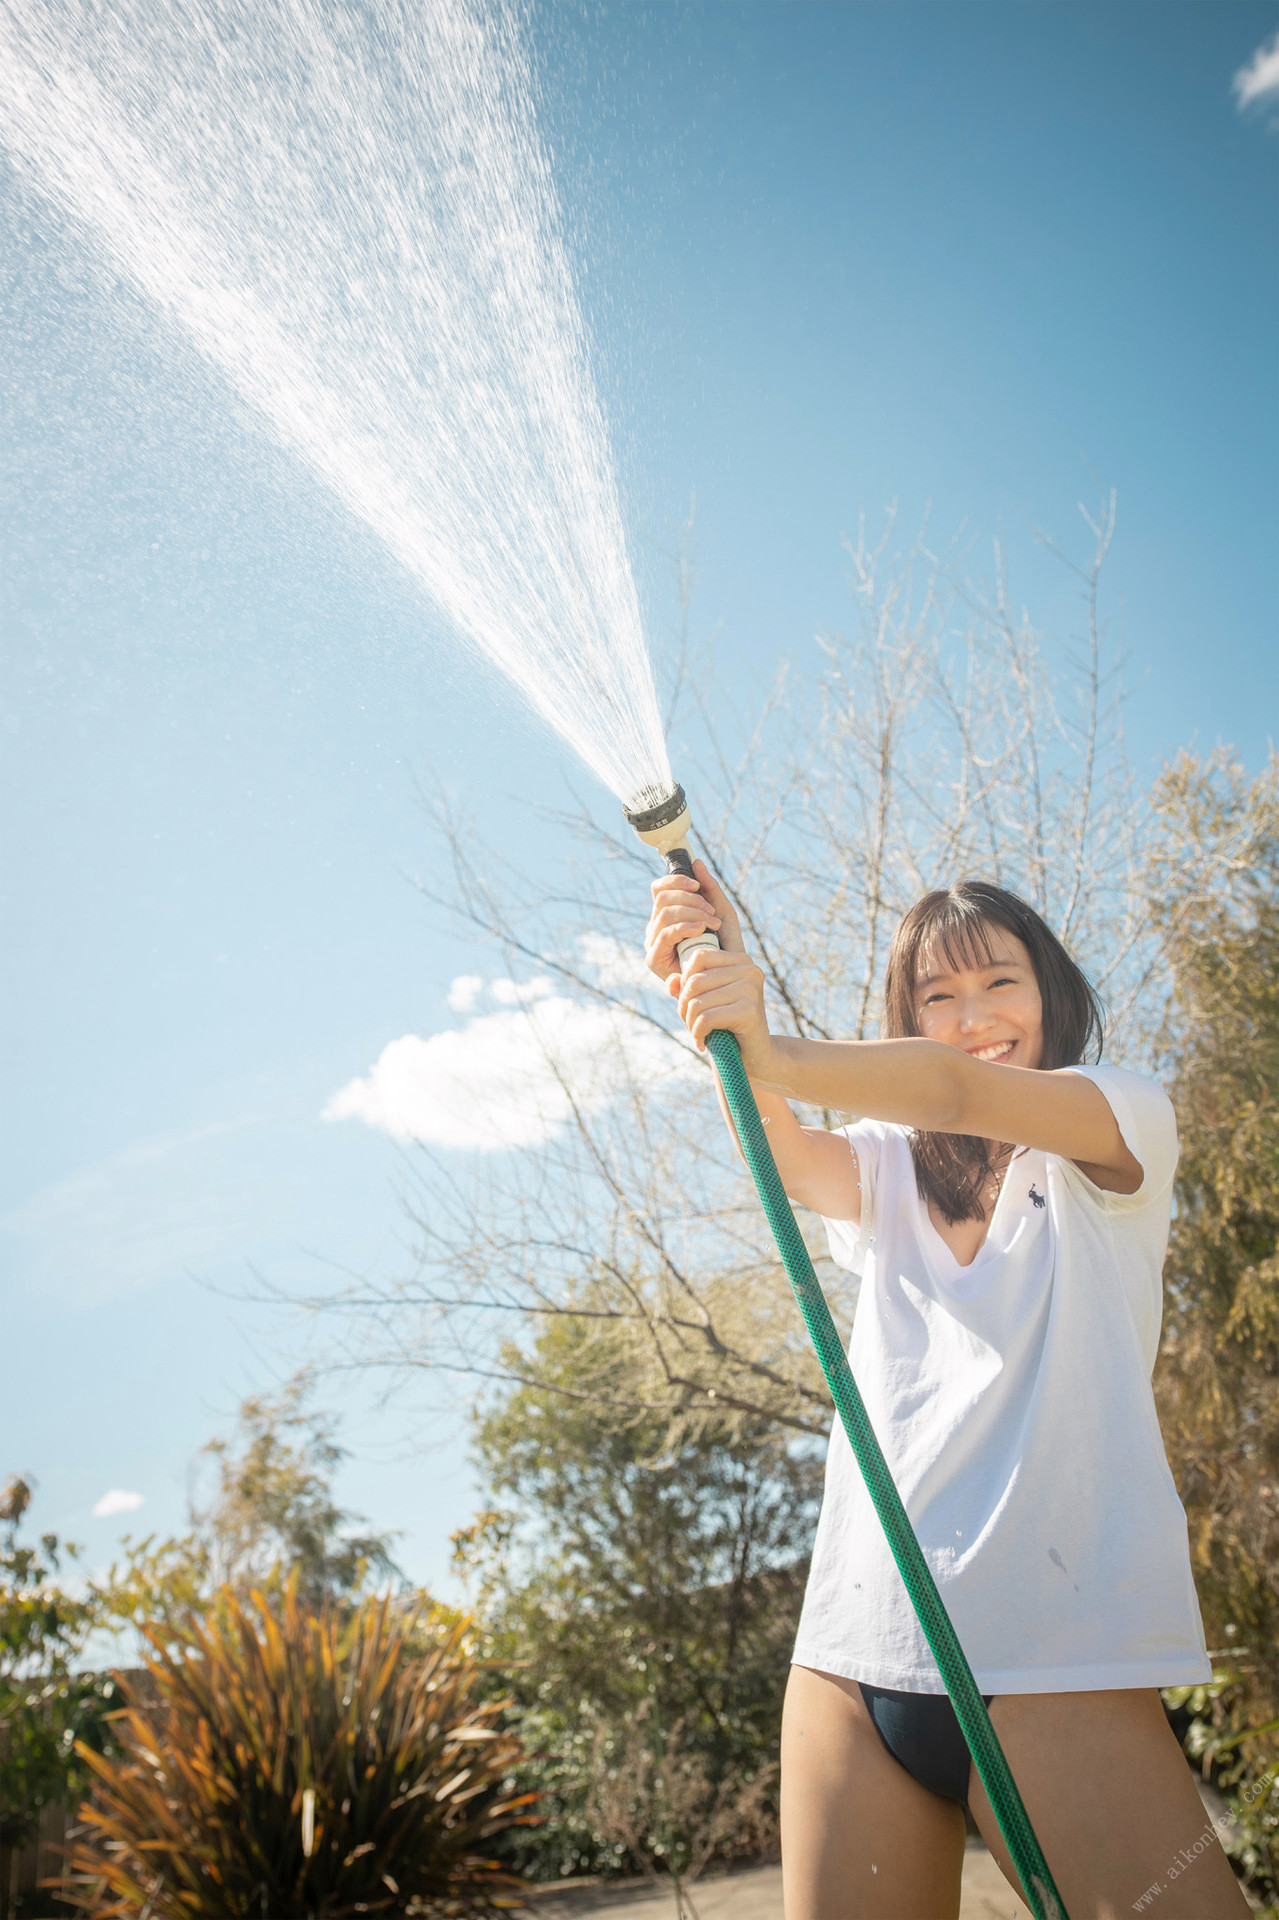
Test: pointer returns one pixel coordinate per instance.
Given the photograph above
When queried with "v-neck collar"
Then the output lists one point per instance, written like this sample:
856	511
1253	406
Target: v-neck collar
947	1253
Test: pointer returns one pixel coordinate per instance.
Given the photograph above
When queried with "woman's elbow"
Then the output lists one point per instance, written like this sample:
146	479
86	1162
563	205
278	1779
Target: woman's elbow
948	1099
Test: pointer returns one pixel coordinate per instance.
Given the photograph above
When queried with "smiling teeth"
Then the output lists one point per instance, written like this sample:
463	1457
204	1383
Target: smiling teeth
993	1053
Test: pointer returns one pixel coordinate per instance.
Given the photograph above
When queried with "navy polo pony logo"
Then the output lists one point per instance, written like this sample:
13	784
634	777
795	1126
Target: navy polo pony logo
1038	1198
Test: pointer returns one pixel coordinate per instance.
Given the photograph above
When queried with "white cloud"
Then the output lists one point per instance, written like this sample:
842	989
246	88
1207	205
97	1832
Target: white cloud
518	993
617	967
1260	78
117	1501
509	1079
464	992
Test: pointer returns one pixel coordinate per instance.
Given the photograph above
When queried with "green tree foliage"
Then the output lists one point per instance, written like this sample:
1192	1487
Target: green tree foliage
272	1503
268	1514
46	1705
1215	895
647	1595
289	1762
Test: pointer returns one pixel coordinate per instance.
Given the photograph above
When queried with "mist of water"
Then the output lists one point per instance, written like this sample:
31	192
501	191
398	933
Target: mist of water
349	210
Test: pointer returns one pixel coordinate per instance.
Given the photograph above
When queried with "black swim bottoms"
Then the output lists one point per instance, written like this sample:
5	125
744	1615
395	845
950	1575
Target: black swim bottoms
922	1733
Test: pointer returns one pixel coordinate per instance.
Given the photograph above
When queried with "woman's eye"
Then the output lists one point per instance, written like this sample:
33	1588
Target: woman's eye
1003	983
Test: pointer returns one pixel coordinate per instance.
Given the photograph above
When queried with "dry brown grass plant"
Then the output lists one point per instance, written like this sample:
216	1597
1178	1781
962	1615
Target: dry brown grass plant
284	1762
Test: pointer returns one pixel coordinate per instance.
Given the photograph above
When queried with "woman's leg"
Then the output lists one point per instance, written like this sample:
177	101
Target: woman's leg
861	1839
1114	1805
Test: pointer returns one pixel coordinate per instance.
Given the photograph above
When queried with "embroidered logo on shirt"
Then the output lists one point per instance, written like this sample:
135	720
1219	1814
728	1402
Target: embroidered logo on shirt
1038	1198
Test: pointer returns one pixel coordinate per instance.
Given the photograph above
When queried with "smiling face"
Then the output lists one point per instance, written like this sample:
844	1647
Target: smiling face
986	1004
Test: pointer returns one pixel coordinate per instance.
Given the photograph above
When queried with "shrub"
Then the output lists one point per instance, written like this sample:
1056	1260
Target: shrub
45	1703
645	1581
282	1762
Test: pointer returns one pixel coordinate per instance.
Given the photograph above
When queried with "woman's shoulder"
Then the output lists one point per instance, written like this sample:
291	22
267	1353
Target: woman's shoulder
1126	1089
877	1130
1106	1073
874	1139
883	1152
1146	1119
883	1162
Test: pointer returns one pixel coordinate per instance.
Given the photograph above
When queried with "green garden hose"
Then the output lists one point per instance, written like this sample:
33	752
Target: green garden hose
970	1708
665	826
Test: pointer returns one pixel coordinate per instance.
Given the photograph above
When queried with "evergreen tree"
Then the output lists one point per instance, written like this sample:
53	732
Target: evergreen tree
1215	894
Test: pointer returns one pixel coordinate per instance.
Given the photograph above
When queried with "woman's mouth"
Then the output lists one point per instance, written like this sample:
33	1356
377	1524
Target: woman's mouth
998	1050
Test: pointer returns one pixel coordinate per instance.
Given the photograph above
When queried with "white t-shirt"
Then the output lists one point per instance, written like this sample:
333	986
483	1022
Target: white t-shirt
1013	1403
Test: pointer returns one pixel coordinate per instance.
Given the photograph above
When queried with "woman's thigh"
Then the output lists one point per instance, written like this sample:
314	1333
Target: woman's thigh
861	1840
1114	1805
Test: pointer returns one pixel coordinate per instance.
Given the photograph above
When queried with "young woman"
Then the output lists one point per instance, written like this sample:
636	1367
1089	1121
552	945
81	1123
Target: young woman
1007	1209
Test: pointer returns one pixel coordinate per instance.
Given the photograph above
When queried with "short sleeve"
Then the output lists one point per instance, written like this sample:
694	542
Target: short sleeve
1149	1127
848	1239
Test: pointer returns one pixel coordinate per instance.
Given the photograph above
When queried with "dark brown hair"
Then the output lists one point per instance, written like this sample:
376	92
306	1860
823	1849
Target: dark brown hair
952	1168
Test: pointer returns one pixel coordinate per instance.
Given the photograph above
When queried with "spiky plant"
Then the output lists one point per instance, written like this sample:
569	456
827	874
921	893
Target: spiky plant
279	1762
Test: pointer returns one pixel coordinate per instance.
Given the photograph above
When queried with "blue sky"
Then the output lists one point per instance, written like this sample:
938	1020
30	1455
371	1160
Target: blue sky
835	255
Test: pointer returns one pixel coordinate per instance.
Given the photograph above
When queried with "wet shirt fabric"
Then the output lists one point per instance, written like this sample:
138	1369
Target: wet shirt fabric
1012	1400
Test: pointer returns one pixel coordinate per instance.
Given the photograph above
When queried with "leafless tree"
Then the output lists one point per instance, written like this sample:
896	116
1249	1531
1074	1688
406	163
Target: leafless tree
941	736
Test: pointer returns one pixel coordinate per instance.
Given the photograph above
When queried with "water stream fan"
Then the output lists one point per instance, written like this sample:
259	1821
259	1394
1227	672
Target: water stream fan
242	167
664	823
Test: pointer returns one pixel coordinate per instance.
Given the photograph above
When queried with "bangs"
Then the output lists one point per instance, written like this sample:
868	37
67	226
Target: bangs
954	927
957	932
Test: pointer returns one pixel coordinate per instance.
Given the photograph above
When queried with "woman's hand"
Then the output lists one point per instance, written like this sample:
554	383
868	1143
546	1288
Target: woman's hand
720	989
725	990
681	910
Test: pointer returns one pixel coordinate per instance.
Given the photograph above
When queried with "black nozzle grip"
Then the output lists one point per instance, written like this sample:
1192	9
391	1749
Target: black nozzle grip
680	860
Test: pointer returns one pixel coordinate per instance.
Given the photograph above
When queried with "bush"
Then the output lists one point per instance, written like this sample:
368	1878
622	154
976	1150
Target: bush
46	1706
643	1595
286	1762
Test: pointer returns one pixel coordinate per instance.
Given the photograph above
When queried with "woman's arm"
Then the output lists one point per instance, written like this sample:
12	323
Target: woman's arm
915	1083
818	1169
940	1089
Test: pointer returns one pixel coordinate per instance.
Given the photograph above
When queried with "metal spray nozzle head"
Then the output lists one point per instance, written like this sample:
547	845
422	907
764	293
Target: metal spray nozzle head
665	824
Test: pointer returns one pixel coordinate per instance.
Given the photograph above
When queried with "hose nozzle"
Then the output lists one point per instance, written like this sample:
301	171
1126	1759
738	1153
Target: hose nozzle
666	826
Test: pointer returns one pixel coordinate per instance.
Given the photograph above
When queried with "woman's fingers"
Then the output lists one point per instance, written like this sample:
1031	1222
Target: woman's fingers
734	993
664	936
720	990
712	966
675	894
718	961
674	883
731	932
680	912
735	1015
684	908
673	888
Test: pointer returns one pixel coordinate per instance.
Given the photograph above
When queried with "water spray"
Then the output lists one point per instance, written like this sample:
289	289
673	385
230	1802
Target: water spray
663	821
412	334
